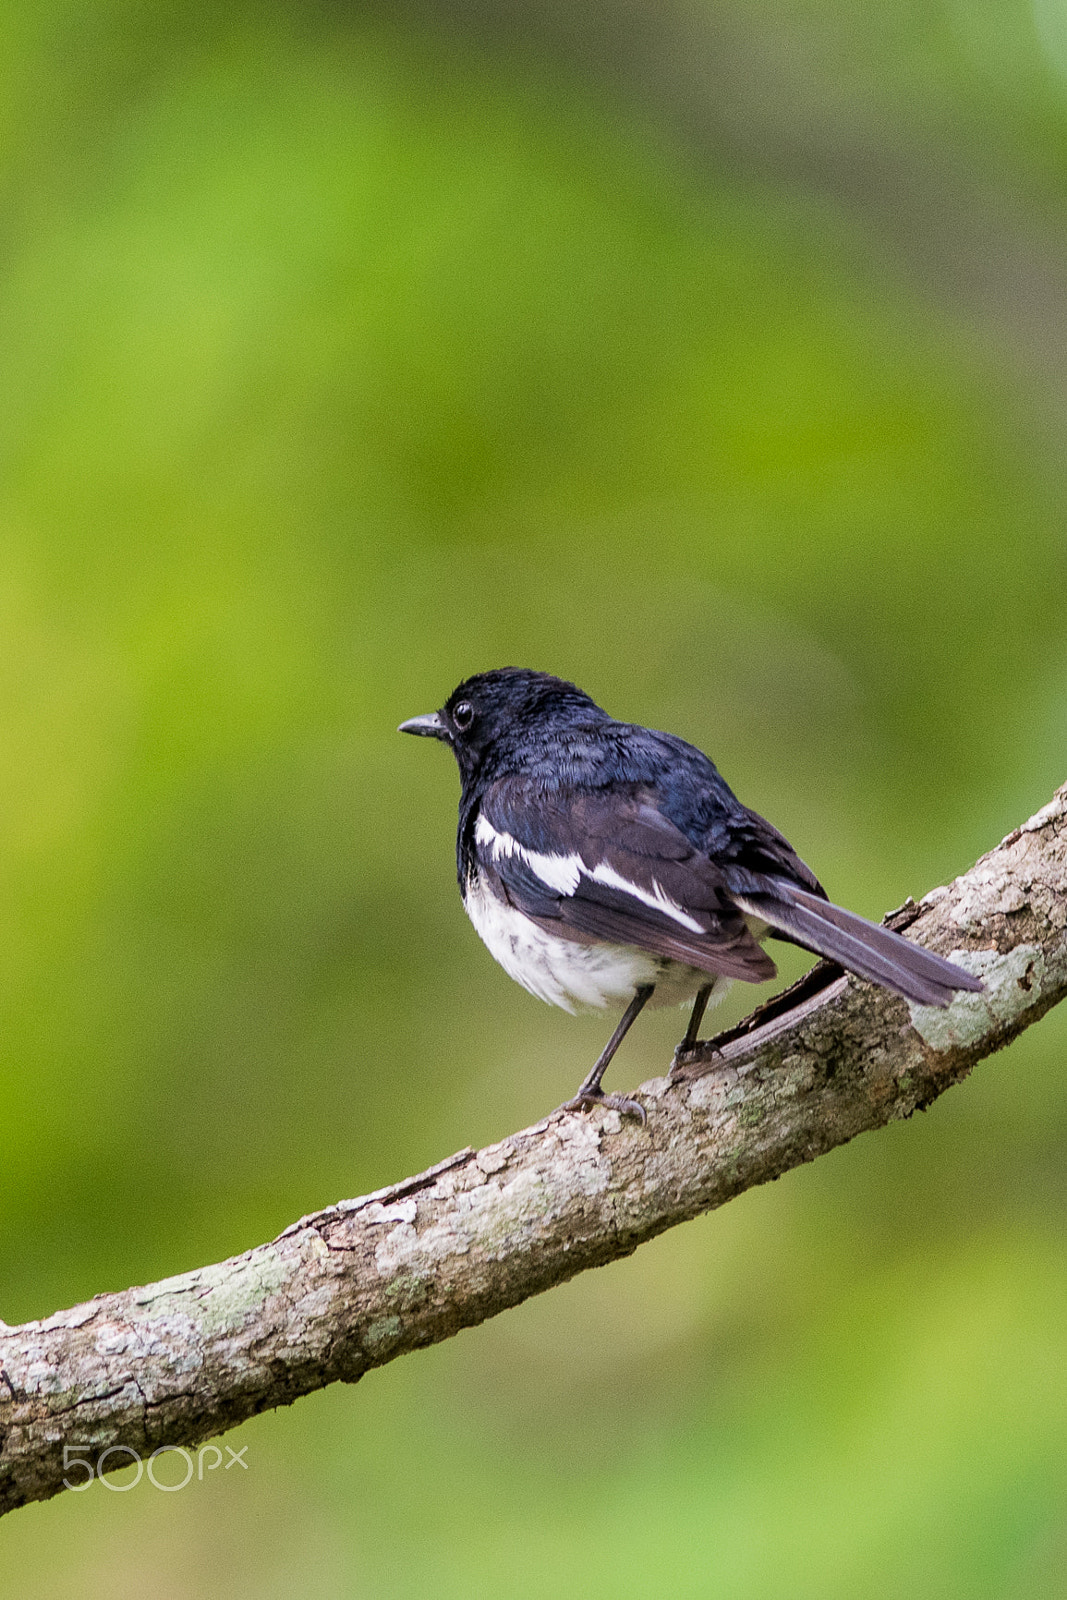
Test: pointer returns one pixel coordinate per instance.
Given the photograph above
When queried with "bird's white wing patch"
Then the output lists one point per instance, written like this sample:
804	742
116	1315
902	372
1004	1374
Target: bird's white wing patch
564	873
653	897
561	873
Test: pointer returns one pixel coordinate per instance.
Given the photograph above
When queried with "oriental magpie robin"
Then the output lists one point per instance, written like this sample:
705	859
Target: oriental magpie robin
606	864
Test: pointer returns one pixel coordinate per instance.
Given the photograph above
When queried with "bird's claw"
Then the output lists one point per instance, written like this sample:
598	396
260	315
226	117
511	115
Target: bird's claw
686	1055
587	1099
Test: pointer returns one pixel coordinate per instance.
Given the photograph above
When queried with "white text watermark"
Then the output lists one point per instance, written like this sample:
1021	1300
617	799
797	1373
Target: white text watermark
81	1465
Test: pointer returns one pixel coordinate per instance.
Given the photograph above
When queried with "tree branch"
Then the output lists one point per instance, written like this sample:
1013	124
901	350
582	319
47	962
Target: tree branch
370	1279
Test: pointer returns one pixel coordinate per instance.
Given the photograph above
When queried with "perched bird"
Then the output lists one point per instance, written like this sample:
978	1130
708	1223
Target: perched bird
605	864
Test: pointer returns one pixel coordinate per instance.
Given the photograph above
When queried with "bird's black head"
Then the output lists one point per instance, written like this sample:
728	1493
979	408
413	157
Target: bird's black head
489	715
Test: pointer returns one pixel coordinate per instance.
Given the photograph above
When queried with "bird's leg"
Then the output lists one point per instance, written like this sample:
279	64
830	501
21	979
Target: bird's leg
590	1092
700	1005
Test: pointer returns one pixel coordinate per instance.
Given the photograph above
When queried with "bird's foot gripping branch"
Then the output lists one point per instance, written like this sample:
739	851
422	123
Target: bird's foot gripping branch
352	1287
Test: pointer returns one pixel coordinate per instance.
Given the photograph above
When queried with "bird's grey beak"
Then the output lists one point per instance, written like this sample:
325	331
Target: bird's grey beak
431	726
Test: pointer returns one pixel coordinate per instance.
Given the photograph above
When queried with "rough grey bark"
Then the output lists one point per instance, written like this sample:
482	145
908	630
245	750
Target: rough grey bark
370	1279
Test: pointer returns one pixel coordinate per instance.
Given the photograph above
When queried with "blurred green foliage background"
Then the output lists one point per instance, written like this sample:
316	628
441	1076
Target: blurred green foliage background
712	357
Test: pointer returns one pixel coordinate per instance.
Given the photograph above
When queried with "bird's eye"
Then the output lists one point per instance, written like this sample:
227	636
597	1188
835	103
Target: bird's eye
463	715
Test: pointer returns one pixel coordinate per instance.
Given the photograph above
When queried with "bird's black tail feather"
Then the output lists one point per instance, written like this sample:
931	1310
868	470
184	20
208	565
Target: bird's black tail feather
863	947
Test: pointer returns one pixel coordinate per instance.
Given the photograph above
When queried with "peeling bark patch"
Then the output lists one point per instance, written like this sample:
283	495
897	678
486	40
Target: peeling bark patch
1010	985
217	1299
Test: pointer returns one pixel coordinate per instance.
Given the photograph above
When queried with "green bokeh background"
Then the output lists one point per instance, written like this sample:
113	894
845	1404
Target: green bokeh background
340	358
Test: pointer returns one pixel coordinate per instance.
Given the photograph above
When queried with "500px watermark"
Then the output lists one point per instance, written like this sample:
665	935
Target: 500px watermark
81	1466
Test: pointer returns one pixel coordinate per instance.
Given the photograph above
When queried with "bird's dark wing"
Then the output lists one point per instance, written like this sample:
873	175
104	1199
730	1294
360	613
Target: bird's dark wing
607	864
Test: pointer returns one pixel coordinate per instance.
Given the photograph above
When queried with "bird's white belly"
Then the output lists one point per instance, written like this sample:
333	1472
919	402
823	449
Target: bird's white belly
573	975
